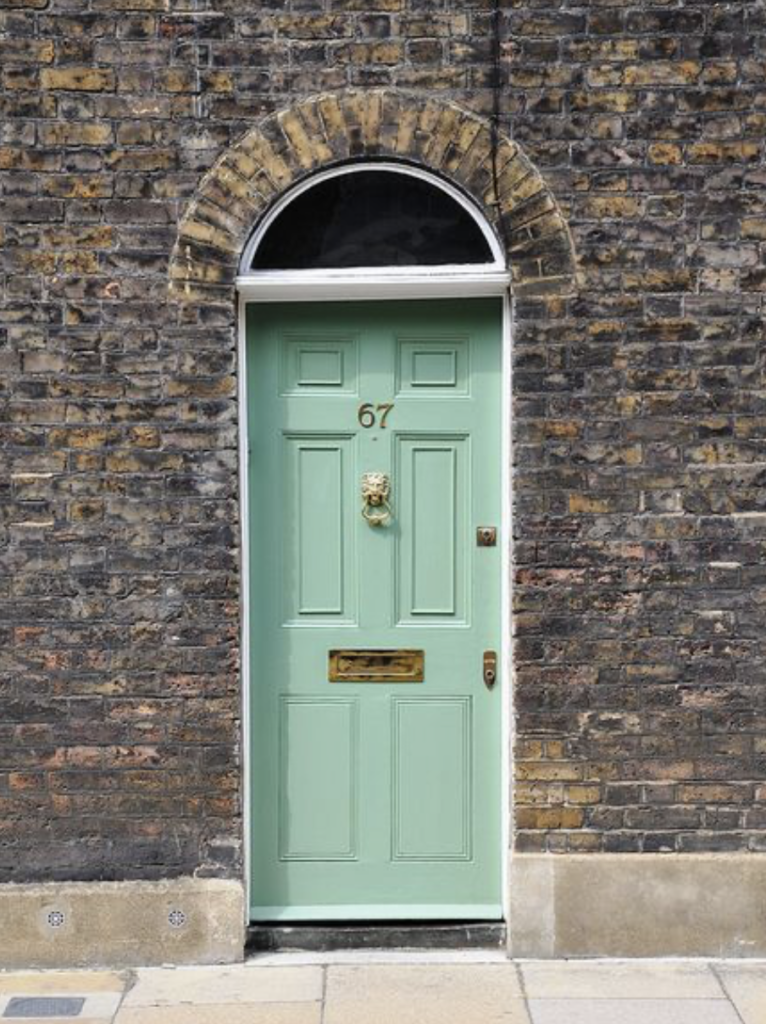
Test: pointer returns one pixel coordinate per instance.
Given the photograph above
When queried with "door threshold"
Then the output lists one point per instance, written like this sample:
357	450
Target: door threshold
317	937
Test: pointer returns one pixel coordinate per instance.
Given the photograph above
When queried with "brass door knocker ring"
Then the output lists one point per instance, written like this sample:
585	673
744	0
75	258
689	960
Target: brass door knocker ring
376	490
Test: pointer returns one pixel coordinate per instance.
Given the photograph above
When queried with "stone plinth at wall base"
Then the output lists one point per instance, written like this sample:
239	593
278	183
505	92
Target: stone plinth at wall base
638	905
121	924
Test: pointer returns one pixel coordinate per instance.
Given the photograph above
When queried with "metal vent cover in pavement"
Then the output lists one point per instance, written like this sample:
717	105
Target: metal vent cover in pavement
43	1006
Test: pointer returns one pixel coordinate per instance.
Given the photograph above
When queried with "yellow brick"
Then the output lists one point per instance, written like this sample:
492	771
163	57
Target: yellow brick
307	151
665	153
562	428
724	152
549	817
75	133
612	206
583	794
78	79
583	503
79	263
549	772
79	437
682	72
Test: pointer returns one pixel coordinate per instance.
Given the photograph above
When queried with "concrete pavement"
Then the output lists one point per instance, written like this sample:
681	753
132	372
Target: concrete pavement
397	988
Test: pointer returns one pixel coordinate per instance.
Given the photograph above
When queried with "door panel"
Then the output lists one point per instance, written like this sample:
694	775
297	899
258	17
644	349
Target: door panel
374	799
433	493
438	366
312	827
318	579
312	364
432	782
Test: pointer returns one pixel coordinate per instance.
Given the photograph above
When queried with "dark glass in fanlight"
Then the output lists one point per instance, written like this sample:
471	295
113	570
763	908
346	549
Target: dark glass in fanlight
371	219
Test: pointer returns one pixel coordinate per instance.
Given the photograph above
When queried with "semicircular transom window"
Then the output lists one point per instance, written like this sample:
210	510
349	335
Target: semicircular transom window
371	219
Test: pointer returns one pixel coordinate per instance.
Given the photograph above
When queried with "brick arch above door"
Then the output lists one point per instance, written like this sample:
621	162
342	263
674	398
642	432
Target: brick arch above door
321	131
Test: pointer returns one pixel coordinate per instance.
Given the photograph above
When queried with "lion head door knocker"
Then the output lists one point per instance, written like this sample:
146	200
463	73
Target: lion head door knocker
376	490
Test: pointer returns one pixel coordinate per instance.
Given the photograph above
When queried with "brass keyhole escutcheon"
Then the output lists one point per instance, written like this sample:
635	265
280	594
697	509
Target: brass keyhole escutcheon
490	669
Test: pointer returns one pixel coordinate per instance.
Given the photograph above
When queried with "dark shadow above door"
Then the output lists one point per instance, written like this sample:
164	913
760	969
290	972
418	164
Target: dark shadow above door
371	219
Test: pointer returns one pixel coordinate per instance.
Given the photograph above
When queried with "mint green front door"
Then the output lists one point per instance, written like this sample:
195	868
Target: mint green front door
374	799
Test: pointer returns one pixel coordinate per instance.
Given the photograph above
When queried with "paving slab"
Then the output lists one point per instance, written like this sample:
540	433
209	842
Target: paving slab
424	994
632	1011
570	979
157	986
223	1013
56	1020
745	985
40	983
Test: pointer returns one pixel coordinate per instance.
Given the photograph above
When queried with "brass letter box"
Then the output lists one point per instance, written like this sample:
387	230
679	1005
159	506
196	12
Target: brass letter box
371	666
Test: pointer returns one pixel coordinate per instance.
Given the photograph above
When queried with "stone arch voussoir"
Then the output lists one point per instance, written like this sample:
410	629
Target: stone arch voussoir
323	130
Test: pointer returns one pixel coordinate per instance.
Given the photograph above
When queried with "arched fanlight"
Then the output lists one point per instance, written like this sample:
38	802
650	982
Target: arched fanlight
371	216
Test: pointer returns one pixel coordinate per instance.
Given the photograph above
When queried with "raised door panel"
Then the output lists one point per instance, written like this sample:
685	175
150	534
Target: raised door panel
318	779
318	541
314	364
431	578
433	367
432	805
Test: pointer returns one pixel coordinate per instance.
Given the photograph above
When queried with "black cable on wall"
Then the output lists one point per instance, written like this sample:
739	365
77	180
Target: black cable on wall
497	86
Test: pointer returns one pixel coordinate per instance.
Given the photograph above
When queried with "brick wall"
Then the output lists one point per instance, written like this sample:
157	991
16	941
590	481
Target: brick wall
640	431
641	511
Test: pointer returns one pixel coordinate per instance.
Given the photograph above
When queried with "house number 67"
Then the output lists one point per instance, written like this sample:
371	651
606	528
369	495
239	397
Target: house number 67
367	414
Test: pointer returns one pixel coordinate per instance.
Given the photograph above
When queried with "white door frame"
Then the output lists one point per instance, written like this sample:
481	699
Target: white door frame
363	284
